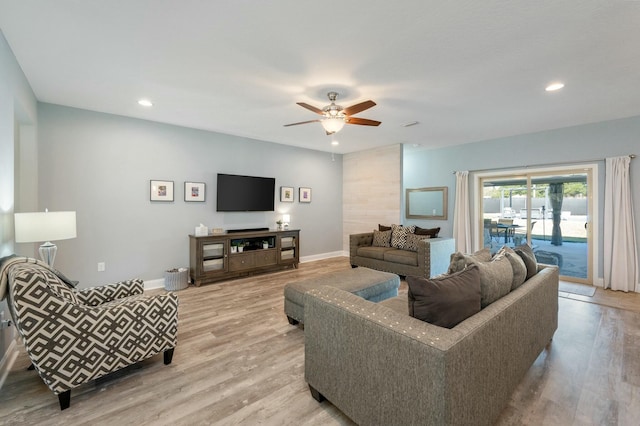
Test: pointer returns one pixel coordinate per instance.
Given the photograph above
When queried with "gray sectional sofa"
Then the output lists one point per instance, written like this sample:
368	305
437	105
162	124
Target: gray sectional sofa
431	258
380	366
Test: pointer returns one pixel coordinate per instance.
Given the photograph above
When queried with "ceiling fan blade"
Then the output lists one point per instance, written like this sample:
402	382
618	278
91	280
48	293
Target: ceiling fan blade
354	109
311	108
301	122
362	121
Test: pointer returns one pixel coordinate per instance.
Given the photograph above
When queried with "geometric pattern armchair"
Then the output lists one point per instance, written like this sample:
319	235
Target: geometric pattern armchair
75	336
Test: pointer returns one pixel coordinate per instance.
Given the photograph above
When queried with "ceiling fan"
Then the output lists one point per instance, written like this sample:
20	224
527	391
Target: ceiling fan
335	116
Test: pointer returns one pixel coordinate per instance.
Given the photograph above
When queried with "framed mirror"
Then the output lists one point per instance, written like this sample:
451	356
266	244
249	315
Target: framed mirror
427	203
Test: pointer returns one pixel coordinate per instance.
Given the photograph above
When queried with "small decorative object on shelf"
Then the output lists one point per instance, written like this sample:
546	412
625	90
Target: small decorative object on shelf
279	223
265	245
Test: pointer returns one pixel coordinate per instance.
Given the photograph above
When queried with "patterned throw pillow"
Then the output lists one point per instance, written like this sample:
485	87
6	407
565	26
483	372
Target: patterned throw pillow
381	238
413	241
399	235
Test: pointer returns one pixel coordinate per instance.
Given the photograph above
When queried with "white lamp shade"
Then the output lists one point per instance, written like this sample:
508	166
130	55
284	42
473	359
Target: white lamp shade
333	124
286	218
45	226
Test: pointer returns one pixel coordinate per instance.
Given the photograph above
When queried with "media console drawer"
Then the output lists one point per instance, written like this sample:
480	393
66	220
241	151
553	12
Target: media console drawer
240	261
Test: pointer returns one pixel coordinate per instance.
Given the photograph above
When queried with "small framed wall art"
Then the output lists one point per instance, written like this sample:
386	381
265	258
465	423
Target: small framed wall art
304	195
194	191
161	190
286	194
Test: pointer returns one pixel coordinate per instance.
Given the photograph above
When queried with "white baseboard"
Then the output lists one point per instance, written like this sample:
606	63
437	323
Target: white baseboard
7	361
153	284
321	256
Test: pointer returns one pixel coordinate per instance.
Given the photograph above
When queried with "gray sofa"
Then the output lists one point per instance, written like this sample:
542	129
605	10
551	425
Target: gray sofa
379	366
432	257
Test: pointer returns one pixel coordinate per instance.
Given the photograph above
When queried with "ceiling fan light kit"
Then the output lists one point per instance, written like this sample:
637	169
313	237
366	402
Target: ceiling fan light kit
335	116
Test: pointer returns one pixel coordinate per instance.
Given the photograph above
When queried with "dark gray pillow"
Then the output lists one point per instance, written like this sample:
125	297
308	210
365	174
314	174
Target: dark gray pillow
432	232
526	253
446	300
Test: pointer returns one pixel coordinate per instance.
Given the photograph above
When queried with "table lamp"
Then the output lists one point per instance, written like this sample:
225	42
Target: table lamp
285	220
45	226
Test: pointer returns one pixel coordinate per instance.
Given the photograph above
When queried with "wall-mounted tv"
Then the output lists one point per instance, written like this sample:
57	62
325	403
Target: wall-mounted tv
245	193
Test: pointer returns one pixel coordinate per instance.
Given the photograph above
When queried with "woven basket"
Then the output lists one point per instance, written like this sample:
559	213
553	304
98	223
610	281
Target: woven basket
174	281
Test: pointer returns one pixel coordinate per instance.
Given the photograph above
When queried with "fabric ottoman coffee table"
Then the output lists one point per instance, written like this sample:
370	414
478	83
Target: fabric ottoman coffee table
364	282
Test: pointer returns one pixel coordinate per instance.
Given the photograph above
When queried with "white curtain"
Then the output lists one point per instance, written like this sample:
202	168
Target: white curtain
620	249
462	214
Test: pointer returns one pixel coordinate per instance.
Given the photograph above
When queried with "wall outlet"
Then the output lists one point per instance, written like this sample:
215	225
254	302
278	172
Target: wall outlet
101	266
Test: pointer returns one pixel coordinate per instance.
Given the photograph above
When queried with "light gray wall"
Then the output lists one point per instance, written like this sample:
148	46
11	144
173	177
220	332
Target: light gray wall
18	109
568	145
100	165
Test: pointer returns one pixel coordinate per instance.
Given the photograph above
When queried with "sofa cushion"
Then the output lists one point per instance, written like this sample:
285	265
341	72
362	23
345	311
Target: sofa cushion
372	252
526	253
399	235
404	257
517	266
432	232
460	260
413	241
382	238
447	300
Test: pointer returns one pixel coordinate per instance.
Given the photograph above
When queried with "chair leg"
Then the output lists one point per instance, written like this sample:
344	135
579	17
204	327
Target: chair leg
31	367
316	395
65	399
168	356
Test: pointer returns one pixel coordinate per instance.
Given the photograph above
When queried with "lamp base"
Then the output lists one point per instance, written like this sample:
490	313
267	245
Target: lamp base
48	253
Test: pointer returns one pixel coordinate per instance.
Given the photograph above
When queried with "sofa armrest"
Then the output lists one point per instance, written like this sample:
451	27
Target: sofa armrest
434	255
354	348
359	240
94	296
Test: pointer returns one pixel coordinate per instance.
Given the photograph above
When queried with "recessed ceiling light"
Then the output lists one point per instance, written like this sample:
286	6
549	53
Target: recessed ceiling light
335	143
554	86
145	102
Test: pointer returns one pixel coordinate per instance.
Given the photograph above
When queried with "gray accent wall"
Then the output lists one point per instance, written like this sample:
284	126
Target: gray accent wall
570	145
100	166
18	110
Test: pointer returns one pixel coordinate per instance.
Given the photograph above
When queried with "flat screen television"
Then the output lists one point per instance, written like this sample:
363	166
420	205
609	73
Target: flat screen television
245	193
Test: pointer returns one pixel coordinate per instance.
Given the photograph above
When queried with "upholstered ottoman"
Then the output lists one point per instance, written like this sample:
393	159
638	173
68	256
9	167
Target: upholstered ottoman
364	282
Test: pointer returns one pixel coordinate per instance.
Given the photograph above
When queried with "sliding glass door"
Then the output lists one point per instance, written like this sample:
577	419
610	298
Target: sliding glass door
549	210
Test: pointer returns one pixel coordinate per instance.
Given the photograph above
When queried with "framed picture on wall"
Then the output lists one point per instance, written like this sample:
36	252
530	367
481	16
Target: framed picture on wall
286	194
304	195
161	190
194	191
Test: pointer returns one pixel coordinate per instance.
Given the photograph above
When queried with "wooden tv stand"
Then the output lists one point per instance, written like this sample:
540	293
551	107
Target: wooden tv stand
213	257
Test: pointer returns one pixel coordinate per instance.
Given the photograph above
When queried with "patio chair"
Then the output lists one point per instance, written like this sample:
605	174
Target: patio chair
75	336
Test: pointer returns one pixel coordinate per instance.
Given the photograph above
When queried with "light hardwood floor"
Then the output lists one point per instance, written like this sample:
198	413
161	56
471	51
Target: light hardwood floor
238	361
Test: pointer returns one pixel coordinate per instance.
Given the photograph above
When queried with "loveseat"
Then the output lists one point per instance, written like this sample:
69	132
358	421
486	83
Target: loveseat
379	365
430	259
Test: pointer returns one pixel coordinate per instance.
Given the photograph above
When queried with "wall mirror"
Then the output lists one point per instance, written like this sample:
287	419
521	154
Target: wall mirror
427	203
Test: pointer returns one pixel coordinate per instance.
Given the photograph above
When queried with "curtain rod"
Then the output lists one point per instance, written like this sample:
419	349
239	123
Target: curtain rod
632	156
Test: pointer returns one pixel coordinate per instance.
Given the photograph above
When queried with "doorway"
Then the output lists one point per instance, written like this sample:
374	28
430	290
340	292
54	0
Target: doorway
551	210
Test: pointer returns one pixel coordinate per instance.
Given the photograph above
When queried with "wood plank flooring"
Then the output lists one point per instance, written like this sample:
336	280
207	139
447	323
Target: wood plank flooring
239	362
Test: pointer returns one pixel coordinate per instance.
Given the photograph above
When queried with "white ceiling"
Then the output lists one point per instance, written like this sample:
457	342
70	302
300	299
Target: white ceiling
466	70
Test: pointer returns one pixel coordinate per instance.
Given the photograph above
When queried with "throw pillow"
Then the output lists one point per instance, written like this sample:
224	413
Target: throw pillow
496	277
517	266
399	235
381	238
447	300
384	228
526	253
432	232
460	260
413	241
